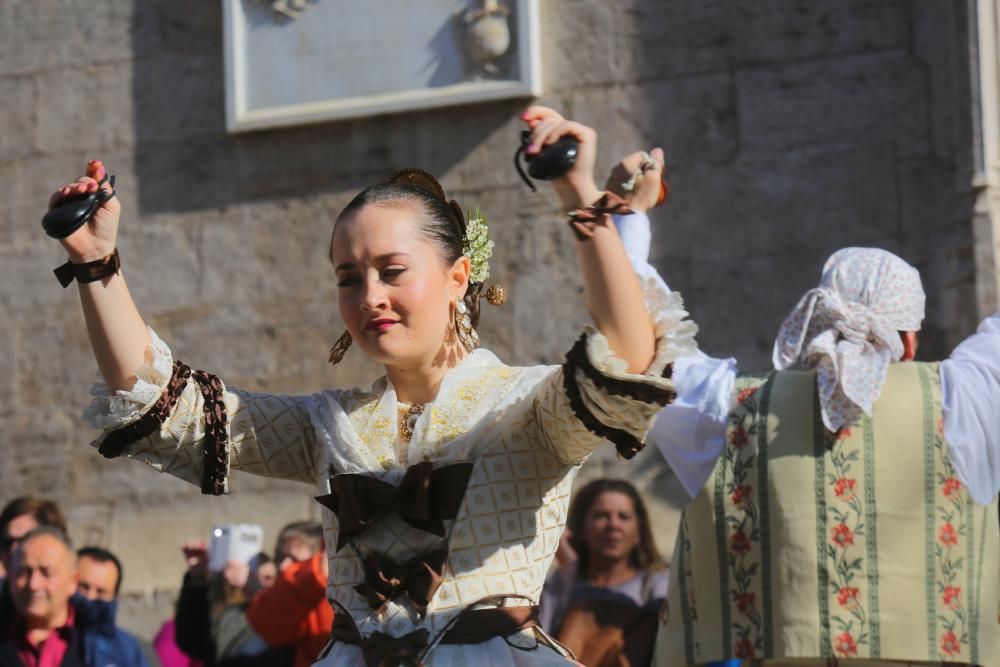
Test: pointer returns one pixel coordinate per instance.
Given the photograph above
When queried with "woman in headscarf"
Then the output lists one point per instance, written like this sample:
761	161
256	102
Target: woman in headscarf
445	485
844	504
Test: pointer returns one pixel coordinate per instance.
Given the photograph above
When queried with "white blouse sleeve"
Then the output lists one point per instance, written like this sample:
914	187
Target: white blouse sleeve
691	431
970	394
190	425
606	402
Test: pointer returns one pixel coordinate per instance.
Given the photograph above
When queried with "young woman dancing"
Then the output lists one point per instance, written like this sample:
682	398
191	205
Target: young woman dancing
445	485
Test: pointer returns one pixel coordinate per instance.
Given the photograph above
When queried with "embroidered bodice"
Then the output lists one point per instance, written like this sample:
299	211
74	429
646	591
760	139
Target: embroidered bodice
476	506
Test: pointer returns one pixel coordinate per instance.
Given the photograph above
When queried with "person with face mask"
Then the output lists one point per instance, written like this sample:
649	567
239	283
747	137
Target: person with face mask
99	580
445	485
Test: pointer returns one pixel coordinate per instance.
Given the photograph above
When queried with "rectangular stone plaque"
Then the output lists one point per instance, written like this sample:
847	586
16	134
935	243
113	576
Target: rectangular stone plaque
329	59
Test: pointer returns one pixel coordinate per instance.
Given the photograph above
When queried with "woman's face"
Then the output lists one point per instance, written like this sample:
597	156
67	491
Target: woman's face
395	288
267	574
611	527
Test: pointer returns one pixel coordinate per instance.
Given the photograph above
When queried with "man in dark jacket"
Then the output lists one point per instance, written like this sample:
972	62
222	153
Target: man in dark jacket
96	603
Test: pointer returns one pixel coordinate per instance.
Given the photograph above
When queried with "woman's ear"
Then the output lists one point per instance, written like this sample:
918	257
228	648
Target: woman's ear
459	275
909	345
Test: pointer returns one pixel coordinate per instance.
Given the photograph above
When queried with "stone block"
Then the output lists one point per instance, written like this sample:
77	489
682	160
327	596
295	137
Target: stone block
30	183
175	98
835	102
656	40
691	118
191	175
84	109
55	365
18	117
51	34
10	343
34	457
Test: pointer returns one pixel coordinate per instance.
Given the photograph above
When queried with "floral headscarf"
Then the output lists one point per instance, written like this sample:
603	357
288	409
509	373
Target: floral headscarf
847	329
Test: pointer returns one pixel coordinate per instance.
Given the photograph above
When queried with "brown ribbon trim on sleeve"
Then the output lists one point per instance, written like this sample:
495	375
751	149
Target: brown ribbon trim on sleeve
583	220
116	441
216	441
425	498
88	272
616	386
626	443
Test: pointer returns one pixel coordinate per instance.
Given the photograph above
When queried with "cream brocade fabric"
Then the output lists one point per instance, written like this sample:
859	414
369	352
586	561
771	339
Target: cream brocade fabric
515	423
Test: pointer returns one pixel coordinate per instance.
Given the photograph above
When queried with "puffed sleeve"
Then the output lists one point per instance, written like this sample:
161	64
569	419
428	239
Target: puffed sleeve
592	398
970	394
187	423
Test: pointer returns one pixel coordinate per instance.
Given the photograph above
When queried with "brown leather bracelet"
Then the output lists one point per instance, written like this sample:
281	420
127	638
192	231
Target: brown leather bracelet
90	271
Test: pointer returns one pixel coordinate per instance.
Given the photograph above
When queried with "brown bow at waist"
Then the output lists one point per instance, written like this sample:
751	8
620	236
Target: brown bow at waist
418	577
382	650
424	499
472	626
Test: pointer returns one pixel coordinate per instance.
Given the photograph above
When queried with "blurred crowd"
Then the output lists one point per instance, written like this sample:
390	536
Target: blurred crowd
59	604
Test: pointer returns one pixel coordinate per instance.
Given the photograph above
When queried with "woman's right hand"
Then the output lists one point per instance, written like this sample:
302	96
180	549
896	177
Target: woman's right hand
576	189
98	237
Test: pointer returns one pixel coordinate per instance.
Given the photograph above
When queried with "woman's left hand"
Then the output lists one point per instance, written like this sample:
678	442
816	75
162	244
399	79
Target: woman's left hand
577	188
645	177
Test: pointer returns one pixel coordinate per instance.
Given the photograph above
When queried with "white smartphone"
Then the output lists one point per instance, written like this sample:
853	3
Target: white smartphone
234	541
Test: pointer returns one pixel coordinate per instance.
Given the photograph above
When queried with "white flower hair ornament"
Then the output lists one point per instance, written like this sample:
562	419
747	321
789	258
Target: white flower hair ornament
478	247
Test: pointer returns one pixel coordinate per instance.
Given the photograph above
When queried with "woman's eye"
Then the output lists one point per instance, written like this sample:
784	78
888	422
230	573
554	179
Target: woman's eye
392	273
347	281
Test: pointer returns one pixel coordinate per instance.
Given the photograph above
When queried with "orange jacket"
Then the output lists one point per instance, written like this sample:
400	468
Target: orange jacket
295	611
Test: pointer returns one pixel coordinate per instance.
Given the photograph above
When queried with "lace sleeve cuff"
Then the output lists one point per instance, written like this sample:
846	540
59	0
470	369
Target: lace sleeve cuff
612	403
107	412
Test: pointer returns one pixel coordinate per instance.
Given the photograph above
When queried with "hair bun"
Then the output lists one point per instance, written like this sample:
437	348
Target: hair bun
420	179
423	180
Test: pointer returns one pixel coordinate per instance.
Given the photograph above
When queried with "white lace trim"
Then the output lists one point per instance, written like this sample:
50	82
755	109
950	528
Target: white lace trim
675	335
107	412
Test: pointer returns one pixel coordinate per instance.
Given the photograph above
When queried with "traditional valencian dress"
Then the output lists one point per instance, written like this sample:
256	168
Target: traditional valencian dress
438	547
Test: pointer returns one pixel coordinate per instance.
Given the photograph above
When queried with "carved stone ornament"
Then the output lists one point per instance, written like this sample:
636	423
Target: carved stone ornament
487	35
292	9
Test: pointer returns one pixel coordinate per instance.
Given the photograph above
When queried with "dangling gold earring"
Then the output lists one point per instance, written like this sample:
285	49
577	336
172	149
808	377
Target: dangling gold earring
463	326
340	348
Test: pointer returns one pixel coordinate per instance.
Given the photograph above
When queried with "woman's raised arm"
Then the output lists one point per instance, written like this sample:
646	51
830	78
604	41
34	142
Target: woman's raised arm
117	332
613	293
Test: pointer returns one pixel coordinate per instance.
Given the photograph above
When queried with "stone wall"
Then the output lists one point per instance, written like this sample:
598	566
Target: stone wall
791	128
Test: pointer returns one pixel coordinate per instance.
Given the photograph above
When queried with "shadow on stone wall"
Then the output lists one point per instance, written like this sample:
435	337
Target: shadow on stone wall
185	160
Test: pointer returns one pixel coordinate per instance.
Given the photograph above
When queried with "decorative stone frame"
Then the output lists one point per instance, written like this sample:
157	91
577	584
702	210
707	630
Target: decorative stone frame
242	115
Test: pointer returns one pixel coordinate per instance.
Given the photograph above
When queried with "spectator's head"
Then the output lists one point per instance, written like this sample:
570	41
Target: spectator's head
609	525
22	515
100	574
43	577
267	572
298	542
